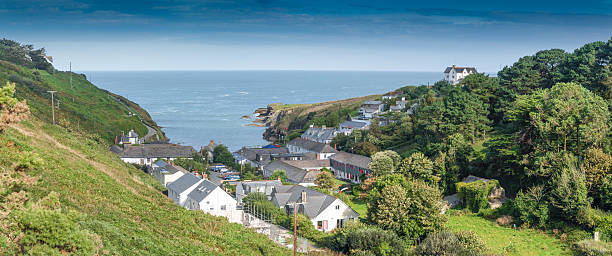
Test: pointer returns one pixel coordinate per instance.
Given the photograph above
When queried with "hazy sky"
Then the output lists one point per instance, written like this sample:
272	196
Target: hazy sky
300	34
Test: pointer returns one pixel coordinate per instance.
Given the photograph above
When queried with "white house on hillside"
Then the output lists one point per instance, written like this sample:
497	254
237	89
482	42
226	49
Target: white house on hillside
211	199
166	173
326	212
179	189
455	74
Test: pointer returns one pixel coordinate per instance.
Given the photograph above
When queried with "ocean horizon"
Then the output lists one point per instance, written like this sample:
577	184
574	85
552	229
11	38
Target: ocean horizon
194	107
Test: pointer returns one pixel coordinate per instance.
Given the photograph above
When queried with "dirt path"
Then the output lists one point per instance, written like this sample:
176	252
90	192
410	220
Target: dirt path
110	171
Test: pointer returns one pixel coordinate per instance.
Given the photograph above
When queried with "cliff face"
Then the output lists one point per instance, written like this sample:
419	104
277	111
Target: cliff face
280	119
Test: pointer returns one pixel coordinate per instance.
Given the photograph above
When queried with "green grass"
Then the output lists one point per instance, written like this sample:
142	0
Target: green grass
505	240
93	110
123	206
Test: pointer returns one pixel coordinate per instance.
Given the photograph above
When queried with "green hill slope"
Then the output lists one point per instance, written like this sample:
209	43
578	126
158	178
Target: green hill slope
84	107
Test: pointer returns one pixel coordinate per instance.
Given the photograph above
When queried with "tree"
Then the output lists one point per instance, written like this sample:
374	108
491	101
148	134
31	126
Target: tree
222	155
397	159
357	238
418	166
325	180
597	166
381	164
282	174
532	206
565	117
568	191
11	110
465	114
410	208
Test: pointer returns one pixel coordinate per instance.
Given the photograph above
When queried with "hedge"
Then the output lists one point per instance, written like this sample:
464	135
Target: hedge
475	194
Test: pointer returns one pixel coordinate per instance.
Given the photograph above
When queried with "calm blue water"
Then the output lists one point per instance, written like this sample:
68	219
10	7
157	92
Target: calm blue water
194	107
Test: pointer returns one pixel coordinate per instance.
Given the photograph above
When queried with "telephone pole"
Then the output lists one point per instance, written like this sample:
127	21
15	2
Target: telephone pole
52	106
294	229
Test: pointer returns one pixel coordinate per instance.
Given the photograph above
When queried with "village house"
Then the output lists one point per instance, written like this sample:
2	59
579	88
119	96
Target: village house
298	172
213	200
350	166
320	134
347	127
455	74
266	187
299	145
371	108
147	154
179	189
294	156
324	211
130	138
167	173
391	95
399	106
257	157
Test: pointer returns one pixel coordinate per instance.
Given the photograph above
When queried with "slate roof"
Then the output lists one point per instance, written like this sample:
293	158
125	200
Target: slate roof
352	159
311	146
246	187
372	102
319	134
251	153
115	149
316	202
157	151
352	124
202	191
460	69
309	164
183	183
294	173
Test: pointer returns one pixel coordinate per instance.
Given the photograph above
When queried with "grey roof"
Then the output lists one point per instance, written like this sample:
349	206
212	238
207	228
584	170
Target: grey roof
160	163
252	153
115	149
309	164
157	151
312	146
319	134
183	183
460	69
352	159
172	169
245	187
294	173
202	190
372	102
352	124
316	202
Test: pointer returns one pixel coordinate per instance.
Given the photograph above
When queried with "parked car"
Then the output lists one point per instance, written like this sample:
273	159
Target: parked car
232	177
225	170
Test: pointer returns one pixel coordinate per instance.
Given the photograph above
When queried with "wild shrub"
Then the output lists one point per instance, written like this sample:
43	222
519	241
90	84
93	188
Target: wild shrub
593	248
449	243
361	239
532	207
475	194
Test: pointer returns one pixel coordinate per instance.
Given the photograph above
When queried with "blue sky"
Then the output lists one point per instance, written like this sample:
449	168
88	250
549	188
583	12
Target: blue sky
300	34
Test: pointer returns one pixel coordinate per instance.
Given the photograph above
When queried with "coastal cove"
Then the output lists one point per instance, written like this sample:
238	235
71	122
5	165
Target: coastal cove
194	107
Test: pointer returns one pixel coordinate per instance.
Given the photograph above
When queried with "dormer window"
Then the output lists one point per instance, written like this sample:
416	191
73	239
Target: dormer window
337	207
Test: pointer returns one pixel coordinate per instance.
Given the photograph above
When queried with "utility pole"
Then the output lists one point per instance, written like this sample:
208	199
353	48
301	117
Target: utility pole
295	229
52	106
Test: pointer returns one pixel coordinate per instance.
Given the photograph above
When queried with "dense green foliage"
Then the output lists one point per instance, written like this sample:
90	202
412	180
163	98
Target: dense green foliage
475	194
361	239
24	55
196	163
449	243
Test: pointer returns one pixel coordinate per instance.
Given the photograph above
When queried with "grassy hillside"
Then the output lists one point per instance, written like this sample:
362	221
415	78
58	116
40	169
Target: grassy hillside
118	209
84	107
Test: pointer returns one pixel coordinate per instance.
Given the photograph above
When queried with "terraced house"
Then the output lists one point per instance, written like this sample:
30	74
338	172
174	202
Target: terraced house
350	166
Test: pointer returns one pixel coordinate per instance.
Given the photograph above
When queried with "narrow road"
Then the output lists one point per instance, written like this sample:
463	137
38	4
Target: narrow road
150	133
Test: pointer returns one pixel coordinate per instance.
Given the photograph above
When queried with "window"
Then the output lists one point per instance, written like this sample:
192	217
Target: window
212	208
223	208
337	207
207	202
319	224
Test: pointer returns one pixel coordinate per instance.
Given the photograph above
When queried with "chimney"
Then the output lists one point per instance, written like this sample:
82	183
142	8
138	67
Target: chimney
454	66
323	126
312	125
303	196
204	176
115	140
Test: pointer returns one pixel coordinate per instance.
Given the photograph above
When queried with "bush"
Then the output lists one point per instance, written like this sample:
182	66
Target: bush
449	243
532	207
598	220
475	194
51	230
593	248
361	239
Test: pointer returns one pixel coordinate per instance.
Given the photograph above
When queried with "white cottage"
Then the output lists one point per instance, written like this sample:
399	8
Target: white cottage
324	211
455	74
147	154
166	173
211	199
179	189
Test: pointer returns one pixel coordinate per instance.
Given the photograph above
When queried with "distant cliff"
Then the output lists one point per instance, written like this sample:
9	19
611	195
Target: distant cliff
280	119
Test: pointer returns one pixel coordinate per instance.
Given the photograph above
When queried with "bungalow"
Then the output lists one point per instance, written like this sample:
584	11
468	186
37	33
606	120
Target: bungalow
371	108
266	187
299	145
146	154
320	134
130	138
391	95
324	211
167	173
347	127
350	166
257	157
179	189
296	175
213	200
455	74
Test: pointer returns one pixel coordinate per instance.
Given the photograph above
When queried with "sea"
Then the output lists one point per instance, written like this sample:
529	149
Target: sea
195	107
